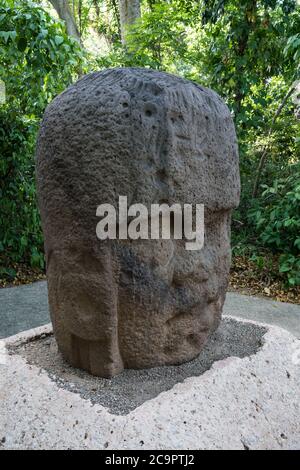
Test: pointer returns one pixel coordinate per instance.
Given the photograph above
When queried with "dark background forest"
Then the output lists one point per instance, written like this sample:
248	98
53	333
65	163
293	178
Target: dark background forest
247	50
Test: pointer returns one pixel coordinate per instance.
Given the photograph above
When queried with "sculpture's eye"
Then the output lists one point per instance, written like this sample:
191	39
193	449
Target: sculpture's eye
150	109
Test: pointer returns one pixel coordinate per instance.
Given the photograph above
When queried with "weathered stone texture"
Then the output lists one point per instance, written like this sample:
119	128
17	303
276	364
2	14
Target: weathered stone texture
154	138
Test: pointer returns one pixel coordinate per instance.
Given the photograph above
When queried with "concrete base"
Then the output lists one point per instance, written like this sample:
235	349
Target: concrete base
247	402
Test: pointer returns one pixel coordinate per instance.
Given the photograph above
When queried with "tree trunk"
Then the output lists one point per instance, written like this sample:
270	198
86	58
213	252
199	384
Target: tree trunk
64	12
250	20
117	15
130	11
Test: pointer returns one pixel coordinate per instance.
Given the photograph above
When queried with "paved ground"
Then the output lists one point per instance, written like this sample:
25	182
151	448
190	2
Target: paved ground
282	314
25	307
249	403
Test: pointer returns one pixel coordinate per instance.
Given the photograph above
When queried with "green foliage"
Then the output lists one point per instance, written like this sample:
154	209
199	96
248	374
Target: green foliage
260	106
244	46
248	51
37	61
157	40
20	231
277	222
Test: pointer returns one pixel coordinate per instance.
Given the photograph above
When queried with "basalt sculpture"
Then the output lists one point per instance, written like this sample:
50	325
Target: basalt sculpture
154	138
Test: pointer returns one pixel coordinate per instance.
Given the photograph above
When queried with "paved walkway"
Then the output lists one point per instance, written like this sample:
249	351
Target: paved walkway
25	307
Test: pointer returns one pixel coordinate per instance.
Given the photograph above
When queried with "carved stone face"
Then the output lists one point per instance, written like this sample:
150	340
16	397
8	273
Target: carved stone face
154	138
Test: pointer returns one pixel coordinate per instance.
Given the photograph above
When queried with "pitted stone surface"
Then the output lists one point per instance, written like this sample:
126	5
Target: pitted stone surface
154	138
248	403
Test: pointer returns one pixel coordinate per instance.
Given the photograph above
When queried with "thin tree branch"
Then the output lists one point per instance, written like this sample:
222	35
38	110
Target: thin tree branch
266	148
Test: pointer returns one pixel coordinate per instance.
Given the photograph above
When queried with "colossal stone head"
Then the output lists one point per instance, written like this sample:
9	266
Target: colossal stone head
155	138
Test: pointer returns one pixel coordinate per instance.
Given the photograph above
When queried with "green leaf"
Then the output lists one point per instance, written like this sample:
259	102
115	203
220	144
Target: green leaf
297	243
22	44
8	35
10	272
284	268
58	40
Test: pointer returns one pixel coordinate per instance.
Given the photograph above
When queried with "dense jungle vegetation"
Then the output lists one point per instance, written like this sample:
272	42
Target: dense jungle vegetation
246	50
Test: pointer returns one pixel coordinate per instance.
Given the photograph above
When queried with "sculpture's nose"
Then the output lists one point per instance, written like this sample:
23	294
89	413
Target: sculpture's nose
194	267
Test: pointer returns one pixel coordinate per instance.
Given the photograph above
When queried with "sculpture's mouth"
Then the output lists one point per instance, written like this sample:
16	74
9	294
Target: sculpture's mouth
198	300
181	280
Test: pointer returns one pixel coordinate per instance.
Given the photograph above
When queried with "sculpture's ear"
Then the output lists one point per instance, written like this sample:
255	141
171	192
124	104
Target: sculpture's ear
83	300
